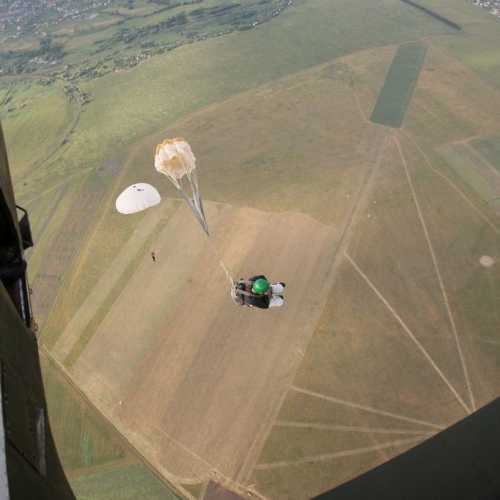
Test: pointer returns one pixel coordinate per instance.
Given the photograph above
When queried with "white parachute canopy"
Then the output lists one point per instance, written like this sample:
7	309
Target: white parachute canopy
175	159
137	198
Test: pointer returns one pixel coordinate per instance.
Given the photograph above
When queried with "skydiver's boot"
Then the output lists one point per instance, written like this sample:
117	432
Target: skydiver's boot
278	288
276	301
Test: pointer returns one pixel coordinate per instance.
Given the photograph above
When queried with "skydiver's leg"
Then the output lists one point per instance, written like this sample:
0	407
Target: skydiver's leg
277	288
276	301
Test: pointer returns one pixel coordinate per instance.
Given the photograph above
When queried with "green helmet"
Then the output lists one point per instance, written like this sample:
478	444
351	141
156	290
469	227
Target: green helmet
260	286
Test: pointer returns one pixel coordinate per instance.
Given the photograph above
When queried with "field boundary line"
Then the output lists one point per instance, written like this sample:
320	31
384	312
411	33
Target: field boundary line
438	272
426	110
170	481
110	389
345	428
369	409
451	183
409	333
188	450
214	472
464	141
339	454
358	105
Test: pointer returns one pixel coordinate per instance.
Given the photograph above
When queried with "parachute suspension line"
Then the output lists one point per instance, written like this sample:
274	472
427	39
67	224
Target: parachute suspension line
221	262
226	271
194	205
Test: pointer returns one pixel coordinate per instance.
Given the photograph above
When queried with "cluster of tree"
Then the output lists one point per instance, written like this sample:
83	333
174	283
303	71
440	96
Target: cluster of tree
26	61
174	3
75	94
127	35
215	11
49	50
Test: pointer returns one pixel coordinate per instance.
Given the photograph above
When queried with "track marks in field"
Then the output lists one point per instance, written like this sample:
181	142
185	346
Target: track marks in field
482	159
339	454
410	334
168	480
346	428
214	472
489	341
367	408
438	274
450	183
357	102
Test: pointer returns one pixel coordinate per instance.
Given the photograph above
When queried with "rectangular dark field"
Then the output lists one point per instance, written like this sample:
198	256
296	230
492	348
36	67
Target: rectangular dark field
399	85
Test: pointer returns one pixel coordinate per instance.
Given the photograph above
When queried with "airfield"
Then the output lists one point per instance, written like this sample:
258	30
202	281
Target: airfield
361	168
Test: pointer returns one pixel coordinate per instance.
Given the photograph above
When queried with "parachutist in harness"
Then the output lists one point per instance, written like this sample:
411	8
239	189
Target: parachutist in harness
258	292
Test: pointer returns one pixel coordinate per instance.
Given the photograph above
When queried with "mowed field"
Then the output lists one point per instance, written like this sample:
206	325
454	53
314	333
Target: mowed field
184	329
390	331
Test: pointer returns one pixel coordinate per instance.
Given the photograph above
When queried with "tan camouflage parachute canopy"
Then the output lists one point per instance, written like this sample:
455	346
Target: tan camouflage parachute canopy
175	159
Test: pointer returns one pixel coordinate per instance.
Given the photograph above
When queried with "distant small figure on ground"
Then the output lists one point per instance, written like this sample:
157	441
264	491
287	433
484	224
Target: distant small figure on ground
259	292
153	256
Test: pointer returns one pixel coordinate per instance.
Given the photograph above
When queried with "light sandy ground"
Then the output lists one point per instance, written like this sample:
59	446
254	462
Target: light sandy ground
195	388
486	261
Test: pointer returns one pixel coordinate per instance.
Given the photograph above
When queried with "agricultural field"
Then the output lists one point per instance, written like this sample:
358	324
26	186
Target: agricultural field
347	148
474	170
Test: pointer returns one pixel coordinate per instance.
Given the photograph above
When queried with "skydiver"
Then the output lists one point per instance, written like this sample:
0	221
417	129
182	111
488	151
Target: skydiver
258	292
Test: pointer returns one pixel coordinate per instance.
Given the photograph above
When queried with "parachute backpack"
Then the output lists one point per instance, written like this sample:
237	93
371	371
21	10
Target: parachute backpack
175	159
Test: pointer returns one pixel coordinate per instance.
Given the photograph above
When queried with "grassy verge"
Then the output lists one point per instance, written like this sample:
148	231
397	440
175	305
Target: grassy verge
82	439
35	121
125	483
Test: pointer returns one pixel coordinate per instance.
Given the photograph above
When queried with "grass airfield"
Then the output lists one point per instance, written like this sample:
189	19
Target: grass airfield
398	337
